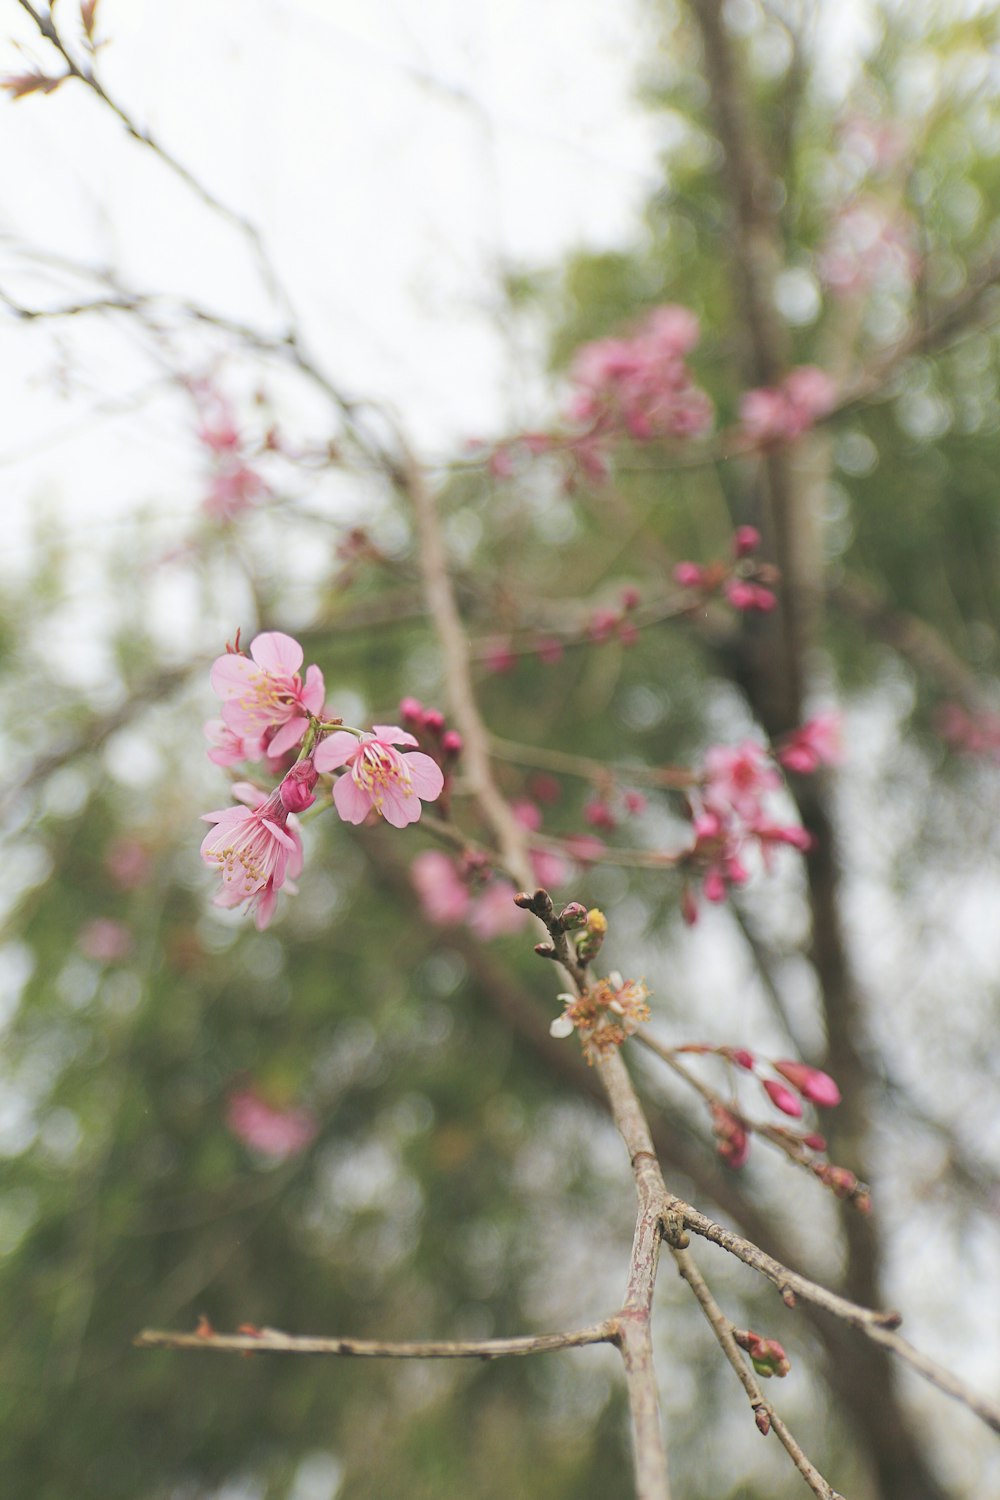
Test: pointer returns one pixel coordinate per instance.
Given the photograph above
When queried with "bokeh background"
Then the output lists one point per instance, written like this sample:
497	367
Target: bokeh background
452	200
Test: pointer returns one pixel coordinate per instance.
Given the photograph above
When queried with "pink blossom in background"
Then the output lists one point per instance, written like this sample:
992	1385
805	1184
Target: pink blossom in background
641	384
493	913
527	813
736	778
743	594
277	1133
498	656
817	743
783	413
549	869
231	491
866	245
228	749
129	863
266	692
378	777
254	852
443	894
104	940
975	734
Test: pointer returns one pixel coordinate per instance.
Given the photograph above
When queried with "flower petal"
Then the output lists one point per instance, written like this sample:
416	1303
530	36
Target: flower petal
232	674
426	776
398	807
277	653
351	802
287	736
393	735
335	750
314	691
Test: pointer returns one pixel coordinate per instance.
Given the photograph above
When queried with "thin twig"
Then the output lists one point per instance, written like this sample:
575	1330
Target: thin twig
273	1341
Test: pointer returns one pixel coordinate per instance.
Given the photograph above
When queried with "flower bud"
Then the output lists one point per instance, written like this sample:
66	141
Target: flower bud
296	790
452	742
746	539
782	1098
433	720
573	916
810	1082
411	711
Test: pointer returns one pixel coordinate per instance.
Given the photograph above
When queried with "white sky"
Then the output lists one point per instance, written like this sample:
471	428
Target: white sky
393	156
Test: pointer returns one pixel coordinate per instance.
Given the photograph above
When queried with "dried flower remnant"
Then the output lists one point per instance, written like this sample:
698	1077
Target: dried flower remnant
608	1011
377	776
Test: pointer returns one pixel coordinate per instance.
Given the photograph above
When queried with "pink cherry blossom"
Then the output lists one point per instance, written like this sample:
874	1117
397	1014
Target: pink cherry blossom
737	777
379	777
641	385
229	749
277	1133
104	940
267	691
255	853
780	414
443	894
811	1083
493	913
232	490
817	743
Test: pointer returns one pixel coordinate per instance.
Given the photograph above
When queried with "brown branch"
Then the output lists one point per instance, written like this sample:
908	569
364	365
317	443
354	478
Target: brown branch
766	1417
273	1341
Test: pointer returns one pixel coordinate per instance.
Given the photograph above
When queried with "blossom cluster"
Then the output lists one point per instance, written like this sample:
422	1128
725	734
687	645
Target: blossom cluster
782	413
641	385
234	482
744	582
733	814
268	710
608	1011
729	1125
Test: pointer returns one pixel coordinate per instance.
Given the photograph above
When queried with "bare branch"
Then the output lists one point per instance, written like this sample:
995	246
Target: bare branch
273	1341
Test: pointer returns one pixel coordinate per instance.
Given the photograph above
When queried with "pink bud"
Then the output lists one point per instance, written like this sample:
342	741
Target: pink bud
630	598
810	1082
499	657
689	575
433	720
411	711
451	742
689	906
782	1098
635	802
296	790
814	1142
746	539
740	1056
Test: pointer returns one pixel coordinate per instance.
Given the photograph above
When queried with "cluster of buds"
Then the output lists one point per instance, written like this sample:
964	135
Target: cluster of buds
608	1011
443	744
766	1355
604	809
731	815
615	624
844	1184
744	581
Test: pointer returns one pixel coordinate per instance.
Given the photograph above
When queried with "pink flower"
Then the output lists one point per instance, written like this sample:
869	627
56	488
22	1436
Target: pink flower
232	490
129	863
737	777
746	540
493	913
780	414
378	777
104	940
742	594
817	743
689	575
267	692
641	385
229	749
443	895
255	853
781	1097
811	1083
278	1133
